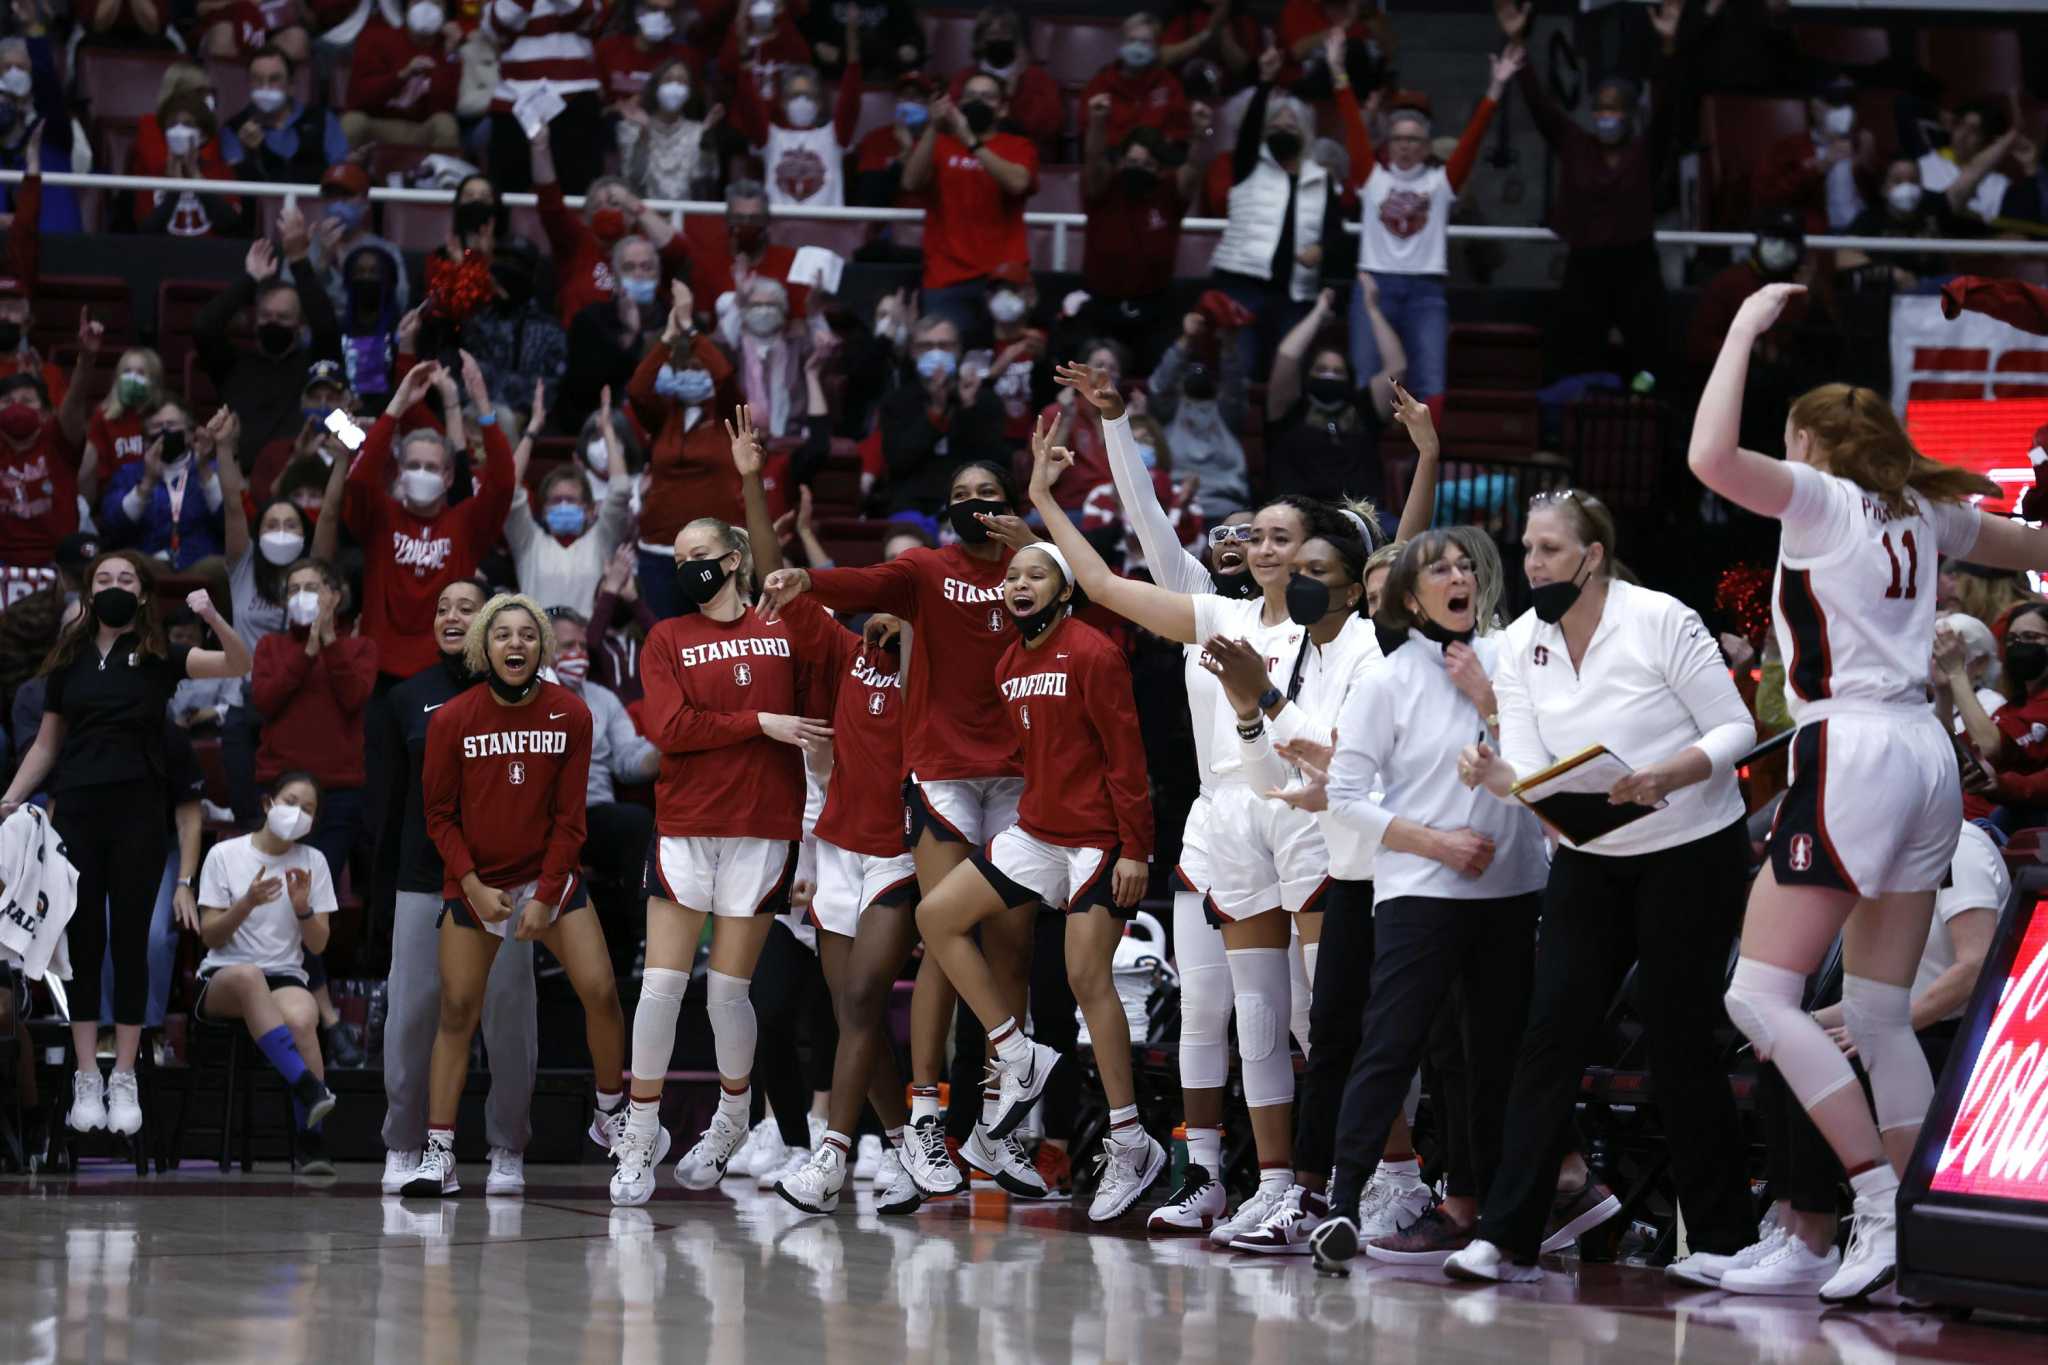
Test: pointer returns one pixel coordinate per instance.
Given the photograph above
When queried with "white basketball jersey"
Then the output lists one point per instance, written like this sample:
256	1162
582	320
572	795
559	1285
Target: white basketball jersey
1853	604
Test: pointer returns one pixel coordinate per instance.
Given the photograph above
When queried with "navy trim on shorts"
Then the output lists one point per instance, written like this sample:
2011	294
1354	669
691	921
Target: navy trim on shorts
652	882
1101	890
1802	851
777	899
1313	905
923	816
271	981
573	899
1013	892
1215	918
897	894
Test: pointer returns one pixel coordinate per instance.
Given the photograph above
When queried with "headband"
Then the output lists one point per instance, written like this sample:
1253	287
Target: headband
1052	552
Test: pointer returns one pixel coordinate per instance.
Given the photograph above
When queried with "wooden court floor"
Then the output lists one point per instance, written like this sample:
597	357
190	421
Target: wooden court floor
206	1268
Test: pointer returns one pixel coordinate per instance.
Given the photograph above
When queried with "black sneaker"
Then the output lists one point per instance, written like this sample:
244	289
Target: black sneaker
342	1045
1334	1246
315	1097
313	1158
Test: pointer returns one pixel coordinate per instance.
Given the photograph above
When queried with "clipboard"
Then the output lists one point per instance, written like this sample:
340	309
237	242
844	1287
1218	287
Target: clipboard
1570	796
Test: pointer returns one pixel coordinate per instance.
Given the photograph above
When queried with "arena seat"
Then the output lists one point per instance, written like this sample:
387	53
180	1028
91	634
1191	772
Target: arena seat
1843	44
1973	62
388	161
1486	424
1484	355
114	143
1739	131
835	487
59	297
949	41
416	227
122	85
178	304
1059	190
1617	444
852	541
1073	50
877	110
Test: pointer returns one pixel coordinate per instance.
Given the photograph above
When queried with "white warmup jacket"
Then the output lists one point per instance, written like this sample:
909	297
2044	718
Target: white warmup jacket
38	895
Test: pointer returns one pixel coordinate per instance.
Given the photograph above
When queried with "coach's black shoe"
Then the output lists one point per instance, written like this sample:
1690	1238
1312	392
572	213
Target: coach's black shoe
1334	1246
314	1097
313	1158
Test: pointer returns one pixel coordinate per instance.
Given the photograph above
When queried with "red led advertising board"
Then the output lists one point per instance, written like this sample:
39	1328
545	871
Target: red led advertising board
1998	1145
1990	436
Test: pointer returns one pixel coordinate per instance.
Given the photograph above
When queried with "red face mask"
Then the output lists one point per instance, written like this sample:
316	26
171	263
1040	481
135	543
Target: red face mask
749	238
608	224
19	421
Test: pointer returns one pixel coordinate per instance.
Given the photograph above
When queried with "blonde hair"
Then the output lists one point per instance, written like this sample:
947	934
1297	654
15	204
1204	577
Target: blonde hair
1988	599
1859	439
153	366
476	645
733	538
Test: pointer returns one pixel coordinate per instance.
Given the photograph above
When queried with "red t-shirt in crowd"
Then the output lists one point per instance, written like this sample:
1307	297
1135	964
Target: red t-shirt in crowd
973	226
408	559
623	65
953	715
1069	701
38	499
376	86
864	797
116	441
708	683
1192	21
1037	110
1131	243
312	708
503	789
583	263
714	270
1151	98
1091	457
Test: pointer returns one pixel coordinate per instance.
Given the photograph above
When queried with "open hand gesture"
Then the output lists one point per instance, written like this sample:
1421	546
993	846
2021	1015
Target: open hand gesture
1048	461
1761	310
1093	385
746	442
1240	668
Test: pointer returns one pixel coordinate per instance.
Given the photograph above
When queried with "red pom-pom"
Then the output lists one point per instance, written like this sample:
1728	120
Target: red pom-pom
1744	595
456	290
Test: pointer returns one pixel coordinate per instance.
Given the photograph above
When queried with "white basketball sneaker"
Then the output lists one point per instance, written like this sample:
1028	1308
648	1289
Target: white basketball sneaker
926	1160
814	1186
124	1104
1788	1268
400	1166
1485	1261
434	1177
1194	1207
1018	1087
507	1178
637	1154
1249	1215
1390	1203
704	1164
1873	1258
88	1101
867	1159
1705	1268
1128	1170
1287	1229
1004	1160
895	1191
743	1161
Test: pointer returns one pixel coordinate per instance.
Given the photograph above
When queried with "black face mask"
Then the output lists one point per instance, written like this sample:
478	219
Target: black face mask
10	336
1329	390
472	214
1199	383
366	294
1284	146
507	692
1308	599
1551	601
980	117
517	284
700	579
1236	586
2024	660
115	607
1434	632
963	514
1001	52
1389	639
458	668
275	339
1038	622
1137	181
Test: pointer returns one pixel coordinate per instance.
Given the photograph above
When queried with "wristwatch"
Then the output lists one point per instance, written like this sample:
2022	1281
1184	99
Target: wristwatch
1270	698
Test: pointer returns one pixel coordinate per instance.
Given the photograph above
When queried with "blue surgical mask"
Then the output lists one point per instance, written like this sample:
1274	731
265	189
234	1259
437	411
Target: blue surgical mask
1610	128
685	386
911	115
565	518
936	365
1148	455
348	212
640	290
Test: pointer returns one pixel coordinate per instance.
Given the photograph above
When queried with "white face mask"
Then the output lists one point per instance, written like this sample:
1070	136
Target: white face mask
599	455
655	25
16	81
672	96
762	12
762	319
303	607
182	139
803	111
280	547
1006	307
1839	120
1904	197
268	101
420	486
423	17
289	823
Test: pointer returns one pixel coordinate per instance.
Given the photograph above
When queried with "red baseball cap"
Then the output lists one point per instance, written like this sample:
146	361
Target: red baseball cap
345	178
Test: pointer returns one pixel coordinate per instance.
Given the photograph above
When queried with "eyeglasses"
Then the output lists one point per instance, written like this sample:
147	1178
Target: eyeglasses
1240	534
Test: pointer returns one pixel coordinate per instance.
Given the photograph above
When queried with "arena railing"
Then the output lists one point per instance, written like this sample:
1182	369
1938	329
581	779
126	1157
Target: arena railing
1062	224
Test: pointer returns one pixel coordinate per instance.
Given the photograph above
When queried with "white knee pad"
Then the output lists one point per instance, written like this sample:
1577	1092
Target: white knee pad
1763	1002
1205	1026
732	1023
1880	1020
654	1021
1260	978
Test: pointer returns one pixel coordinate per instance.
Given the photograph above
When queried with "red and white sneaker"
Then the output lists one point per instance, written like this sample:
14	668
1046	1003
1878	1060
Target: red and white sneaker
1287	1229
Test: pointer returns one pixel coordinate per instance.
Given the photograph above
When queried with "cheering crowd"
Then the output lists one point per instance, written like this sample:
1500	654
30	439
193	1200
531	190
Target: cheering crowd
481	688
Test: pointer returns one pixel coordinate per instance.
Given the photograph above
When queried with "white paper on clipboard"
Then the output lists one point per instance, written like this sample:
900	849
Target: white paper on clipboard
1595	777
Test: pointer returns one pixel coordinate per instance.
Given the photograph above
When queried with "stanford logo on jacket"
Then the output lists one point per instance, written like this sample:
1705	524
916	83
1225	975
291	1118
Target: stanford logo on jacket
515	773
742	674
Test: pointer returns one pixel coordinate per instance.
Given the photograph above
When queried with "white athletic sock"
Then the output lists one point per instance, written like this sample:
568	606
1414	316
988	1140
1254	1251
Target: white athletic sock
1013	1047
1411	1169
1124	1129
924	1102
608	1101
1277	1179
1879	1182
643	1116
1205	1149
836	1143
737	1108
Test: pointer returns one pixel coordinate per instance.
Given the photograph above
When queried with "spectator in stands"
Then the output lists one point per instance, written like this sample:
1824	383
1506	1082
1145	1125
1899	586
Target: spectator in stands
635	53
559	554
2009	739
1983	593
198	703
167	504
940	417
414	542
1818	171
601	466
1274	187
112	436
35	126
235	28
663	136
1406	197
275	138
1031	102
617	832
1018	367
1604	210
720	260
2026	200
681	391
295	327
1906	208
880	155
1137	191
514	340
38	492
311	682
607	339
1142	92
1780	256
344	228
404	77
768	352
621	619
548	50
1073	429
1219	31
370	315
980	181
886	38
762	40
123	23
802	154
582	245
1323	431
1966	171
183	143
1199	392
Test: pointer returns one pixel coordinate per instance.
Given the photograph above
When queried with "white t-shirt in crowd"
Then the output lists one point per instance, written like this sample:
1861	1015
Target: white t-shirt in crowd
269	938
1977	881
1937	173
1404	220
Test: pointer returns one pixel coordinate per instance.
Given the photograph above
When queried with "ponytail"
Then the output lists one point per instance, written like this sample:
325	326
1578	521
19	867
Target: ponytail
1861	440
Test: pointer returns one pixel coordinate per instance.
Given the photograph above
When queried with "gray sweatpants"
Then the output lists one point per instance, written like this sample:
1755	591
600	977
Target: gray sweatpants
413	1014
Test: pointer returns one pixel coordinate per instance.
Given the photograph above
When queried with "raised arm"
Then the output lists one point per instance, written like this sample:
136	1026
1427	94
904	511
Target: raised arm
1159	610
1393	355
74	414
1419	509
224	433
1755	482
1502	68
232	659
1172	566
746	458
327	530
1283	386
